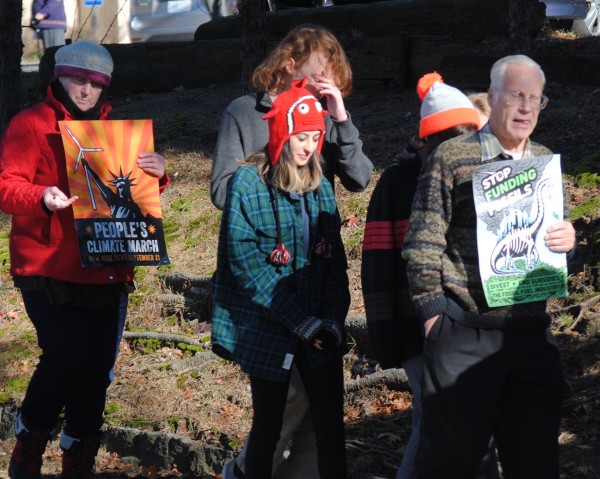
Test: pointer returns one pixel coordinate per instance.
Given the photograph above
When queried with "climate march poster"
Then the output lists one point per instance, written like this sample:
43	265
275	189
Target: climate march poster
118	215
516	201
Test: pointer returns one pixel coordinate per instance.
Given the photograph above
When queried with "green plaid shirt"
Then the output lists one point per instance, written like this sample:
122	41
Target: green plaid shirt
257	306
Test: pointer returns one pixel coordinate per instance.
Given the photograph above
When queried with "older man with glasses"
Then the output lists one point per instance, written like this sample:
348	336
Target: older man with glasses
488	370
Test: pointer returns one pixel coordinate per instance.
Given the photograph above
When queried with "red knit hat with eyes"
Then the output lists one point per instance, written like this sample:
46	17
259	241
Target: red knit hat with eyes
295	110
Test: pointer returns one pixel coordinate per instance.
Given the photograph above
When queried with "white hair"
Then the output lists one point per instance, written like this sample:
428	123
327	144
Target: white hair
498	72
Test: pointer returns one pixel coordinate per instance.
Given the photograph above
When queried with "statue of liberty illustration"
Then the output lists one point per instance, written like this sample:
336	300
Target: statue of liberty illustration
120	201
517	234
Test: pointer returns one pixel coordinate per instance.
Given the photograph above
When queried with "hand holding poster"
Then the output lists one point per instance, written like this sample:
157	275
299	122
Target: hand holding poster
118	215
516	201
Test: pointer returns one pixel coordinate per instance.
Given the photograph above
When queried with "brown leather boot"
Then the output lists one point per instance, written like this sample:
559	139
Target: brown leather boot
79	456
26	459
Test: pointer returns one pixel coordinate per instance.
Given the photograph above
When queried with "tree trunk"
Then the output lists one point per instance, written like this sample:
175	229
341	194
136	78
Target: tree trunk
519	26
254	40
11	49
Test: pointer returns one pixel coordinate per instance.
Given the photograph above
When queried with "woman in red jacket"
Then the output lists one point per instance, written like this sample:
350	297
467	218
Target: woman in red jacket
78	312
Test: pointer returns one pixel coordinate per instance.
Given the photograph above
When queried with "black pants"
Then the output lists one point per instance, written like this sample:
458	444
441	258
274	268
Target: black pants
79	347
479	383
325	389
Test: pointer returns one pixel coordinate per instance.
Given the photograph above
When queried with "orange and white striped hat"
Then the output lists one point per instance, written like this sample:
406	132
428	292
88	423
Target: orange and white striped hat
443	106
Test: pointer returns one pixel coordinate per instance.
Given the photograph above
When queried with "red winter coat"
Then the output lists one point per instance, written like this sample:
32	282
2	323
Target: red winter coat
32	158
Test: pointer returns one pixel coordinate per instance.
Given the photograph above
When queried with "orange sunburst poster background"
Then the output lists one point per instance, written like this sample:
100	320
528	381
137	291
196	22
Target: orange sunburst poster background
120	141
118	215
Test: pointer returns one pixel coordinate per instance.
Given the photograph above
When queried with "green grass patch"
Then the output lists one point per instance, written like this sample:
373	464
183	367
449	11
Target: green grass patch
171	230
190	348
23	347
113	413
181	205
588	164
149	346
14	387
589	209
174	423
590	180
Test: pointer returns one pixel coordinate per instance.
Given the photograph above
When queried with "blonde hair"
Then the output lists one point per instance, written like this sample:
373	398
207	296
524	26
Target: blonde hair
285	175
480	102
299	44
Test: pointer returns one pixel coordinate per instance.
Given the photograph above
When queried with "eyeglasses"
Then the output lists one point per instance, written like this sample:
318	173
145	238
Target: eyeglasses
517	98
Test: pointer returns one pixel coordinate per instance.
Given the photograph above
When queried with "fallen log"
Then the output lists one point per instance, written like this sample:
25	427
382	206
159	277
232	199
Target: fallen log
163	337
184	281
392	379
195	361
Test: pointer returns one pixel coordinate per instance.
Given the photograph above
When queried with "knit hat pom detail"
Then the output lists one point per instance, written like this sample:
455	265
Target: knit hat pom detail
443	106
426	82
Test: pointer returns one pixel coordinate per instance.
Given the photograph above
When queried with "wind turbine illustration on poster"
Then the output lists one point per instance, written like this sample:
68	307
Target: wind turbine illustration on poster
81	156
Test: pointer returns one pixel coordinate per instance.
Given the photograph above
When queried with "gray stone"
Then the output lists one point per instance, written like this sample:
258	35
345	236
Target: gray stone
8	413
165	450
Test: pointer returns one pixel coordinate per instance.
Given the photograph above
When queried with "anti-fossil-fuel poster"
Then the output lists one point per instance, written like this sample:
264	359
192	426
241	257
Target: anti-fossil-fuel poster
516	201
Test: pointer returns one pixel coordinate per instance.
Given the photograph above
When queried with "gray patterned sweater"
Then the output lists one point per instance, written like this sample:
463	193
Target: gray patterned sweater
441	243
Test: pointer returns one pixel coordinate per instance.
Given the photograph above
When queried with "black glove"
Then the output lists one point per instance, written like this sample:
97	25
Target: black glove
308	328
323	334
329	336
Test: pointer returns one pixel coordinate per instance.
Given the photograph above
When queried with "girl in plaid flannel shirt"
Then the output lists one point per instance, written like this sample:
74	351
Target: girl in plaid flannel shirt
281	288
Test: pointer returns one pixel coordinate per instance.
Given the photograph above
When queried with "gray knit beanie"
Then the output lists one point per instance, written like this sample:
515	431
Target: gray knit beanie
85	60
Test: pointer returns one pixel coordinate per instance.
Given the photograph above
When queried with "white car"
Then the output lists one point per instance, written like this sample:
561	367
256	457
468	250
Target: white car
173	20
585	14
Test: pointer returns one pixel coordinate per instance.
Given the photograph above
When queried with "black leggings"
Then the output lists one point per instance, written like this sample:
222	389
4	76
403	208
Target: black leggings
325	389
79	347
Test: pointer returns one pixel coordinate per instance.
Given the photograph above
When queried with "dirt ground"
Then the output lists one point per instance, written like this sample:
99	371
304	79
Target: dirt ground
378	420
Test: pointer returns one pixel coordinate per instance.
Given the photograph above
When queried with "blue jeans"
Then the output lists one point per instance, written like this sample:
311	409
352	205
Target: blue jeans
123	303
79	346
413	368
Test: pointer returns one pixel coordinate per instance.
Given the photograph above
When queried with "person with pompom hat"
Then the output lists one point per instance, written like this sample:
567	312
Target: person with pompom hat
281	290
442	106
78	312
487	370
394	329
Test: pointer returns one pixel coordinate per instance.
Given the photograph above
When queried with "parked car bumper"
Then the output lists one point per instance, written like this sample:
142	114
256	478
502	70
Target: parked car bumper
566	10
169	27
